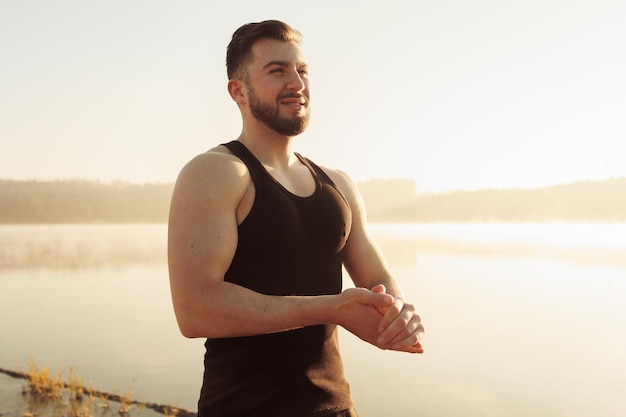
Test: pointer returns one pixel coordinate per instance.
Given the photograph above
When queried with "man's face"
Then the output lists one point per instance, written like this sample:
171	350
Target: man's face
278	86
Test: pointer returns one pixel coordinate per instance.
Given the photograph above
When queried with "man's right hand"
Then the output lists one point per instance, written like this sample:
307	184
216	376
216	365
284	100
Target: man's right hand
360	311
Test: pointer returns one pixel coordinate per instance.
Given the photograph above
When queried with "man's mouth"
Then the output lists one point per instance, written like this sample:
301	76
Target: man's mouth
293	101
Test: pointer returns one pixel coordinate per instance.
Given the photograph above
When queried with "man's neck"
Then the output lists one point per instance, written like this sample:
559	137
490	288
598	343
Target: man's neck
269	147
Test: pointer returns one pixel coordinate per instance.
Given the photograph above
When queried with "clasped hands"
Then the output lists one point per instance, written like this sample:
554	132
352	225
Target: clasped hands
383	320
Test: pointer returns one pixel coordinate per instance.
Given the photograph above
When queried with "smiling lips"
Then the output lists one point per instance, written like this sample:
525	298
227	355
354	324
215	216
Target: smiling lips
296	102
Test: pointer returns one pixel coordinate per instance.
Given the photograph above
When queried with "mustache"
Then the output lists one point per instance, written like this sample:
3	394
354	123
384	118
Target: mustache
293	95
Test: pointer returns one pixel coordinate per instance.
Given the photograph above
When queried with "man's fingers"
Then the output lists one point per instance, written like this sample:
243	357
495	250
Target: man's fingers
391	313
379	289
401	327
412	336
380	299
416	348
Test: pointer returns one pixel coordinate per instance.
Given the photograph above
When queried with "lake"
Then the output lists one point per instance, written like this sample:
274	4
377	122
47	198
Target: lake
521	319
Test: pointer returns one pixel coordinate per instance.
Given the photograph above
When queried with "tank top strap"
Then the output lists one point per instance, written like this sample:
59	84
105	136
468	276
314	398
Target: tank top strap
316	170
257	171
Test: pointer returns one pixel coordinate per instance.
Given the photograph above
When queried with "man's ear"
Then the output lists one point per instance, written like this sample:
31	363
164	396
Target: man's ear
237	91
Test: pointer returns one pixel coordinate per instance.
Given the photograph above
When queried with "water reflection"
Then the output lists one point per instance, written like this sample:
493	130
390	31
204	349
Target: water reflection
516	325
76	247
576	243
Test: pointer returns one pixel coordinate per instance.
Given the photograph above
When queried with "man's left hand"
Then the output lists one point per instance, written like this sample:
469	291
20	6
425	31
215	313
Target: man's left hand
401	327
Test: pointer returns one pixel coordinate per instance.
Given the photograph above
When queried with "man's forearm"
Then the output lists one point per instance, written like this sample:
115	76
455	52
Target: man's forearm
229	310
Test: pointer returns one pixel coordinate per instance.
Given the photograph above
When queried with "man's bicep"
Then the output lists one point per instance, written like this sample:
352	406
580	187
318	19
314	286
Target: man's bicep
202	229
202	247
202	239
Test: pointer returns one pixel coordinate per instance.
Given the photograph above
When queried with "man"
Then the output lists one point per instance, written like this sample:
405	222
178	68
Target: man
257	238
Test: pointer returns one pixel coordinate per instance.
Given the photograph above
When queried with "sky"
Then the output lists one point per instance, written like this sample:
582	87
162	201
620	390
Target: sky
457	95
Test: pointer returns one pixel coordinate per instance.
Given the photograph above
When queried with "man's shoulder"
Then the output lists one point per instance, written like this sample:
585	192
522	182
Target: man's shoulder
215	161
215	168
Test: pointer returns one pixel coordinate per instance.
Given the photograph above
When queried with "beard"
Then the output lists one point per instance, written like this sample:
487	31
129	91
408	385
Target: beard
268	114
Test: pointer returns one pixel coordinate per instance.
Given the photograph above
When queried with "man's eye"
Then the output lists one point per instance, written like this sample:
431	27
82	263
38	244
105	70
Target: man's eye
276	71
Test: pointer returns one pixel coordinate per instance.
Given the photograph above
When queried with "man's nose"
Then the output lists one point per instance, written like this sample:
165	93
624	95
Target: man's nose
296	82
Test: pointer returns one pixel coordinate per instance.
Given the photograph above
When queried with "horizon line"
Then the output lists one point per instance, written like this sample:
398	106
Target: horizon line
417	191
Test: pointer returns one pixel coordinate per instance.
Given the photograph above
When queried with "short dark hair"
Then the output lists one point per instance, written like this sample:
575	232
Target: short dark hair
239	49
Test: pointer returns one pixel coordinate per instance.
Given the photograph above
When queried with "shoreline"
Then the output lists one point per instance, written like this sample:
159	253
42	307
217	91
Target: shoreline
17	400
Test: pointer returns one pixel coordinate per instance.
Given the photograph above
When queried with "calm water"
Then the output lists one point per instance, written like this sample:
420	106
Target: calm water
521	319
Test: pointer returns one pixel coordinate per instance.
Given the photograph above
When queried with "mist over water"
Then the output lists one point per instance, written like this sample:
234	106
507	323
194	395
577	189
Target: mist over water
520	319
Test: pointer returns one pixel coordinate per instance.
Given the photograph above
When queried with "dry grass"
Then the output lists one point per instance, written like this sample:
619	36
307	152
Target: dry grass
48	395
41	385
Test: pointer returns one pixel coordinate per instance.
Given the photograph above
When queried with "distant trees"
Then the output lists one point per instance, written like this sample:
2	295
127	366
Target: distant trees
586	201
384	196
80	201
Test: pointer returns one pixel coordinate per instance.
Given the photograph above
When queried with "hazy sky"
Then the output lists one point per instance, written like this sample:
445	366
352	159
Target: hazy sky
455	94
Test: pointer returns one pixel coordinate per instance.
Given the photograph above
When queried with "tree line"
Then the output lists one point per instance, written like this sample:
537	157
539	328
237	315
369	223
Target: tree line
585	201
81	201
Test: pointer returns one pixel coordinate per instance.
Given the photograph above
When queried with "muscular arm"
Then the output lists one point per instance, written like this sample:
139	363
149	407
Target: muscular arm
207	205
401	327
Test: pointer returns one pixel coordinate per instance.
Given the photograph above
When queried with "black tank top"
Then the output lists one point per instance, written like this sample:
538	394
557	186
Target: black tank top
287	245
